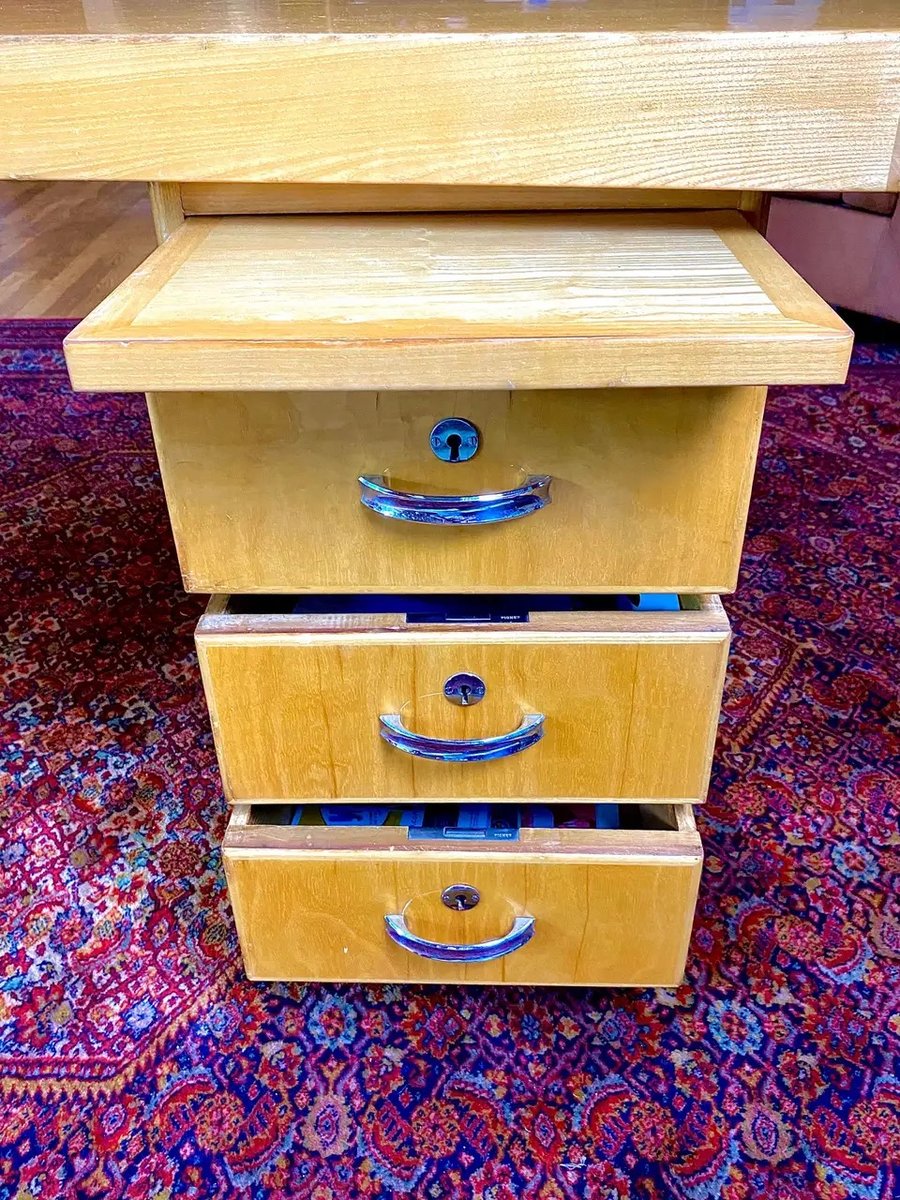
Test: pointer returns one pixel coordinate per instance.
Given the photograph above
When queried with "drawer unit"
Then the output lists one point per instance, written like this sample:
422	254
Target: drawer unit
550	906
607	373
643	489
554	698
431	464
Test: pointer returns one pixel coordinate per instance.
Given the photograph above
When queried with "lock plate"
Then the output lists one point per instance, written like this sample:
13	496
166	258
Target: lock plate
454	440
464	689
460	896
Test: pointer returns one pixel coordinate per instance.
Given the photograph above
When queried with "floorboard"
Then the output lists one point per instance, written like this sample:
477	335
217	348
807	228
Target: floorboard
64	246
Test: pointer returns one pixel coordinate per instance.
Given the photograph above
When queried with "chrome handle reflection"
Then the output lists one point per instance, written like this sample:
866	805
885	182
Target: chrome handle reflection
421	745
488	508
522	932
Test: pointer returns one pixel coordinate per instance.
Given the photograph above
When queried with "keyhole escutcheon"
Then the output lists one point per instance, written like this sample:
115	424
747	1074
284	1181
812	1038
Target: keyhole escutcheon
460	897
454	440
464	689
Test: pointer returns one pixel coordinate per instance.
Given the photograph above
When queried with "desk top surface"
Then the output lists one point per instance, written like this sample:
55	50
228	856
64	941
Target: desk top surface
301	18
672	94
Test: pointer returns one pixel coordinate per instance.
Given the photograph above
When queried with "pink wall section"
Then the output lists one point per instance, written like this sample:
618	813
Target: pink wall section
850	256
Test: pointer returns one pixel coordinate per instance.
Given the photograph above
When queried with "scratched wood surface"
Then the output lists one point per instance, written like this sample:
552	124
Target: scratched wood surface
417	301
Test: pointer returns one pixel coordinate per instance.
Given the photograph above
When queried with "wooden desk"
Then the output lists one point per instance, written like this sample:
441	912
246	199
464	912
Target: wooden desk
612	363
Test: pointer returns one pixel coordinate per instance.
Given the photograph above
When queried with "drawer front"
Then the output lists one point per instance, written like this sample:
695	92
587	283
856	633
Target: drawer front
649	489
605	908
627	705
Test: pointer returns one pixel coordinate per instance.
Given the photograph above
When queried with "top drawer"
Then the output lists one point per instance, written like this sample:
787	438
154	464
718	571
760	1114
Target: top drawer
429	301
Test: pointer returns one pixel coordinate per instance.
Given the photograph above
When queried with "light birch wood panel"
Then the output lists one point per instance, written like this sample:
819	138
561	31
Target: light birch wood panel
696	96
650	489
630	701
230	199
168	210
501	300
611	907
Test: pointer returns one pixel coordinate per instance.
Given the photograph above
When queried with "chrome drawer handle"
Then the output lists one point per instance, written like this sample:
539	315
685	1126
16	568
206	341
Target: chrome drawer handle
396	734
522	931
485	509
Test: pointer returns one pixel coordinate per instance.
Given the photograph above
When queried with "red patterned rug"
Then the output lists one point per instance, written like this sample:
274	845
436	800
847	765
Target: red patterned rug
136	1061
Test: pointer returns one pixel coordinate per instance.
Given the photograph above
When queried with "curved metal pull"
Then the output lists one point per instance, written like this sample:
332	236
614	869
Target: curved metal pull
485	509
396	734
398	931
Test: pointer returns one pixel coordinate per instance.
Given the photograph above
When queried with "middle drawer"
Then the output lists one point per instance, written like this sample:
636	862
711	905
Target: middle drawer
643	489
576	699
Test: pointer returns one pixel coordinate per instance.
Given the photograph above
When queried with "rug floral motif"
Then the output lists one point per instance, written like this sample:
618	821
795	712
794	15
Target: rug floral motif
137	1061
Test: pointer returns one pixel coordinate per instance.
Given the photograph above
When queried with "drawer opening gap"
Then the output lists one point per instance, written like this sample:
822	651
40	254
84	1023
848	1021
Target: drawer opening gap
455	609
467	822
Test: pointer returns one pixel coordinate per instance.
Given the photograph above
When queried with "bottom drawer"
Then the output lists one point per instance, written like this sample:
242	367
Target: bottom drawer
443	902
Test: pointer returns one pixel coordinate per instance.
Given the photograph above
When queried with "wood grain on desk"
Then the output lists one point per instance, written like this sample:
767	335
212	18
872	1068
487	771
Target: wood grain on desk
652	95
505	301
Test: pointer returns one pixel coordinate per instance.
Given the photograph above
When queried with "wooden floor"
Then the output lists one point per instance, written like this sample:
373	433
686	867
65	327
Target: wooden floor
64	246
